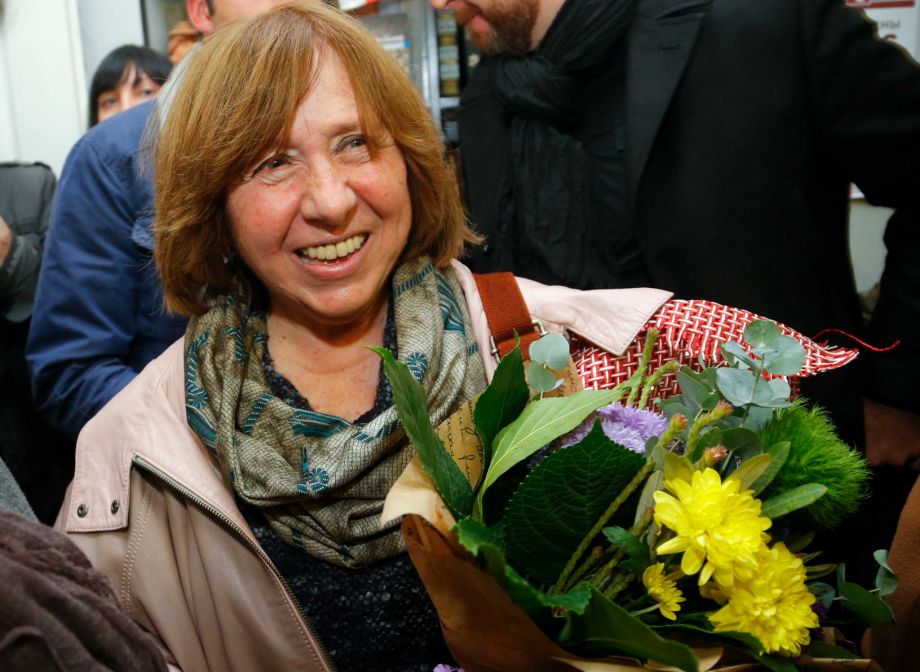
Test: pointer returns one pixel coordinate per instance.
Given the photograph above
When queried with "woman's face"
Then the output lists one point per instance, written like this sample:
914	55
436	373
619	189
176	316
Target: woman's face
319	221
132	89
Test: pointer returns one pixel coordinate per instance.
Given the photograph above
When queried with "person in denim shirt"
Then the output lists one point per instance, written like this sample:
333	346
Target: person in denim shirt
99	316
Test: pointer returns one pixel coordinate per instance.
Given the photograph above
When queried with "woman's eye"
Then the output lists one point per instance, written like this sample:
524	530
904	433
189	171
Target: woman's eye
108	101
272	164
354	142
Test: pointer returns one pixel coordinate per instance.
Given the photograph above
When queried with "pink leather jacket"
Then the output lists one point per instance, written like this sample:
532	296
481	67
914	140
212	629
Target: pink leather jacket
150	509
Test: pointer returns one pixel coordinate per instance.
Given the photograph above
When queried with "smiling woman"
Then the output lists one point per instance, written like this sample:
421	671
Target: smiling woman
304	211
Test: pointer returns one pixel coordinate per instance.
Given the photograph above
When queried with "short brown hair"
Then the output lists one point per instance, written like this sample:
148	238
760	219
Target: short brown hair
237	99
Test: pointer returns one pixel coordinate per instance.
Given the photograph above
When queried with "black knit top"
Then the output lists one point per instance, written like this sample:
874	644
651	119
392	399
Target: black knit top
371	618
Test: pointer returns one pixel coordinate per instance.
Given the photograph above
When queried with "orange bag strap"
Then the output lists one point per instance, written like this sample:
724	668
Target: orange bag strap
507	313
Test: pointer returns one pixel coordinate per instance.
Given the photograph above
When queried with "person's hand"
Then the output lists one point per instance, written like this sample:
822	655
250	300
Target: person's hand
892	435
6	239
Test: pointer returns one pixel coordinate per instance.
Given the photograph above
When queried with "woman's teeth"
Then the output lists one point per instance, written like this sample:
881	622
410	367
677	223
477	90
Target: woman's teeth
333	252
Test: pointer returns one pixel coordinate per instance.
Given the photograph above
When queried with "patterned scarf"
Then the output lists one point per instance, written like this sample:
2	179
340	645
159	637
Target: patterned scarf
548	192
321	480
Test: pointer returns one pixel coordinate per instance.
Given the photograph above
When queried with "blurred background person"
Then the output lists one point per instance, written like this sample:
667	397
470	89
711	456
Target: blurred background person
37	457
182	38
126	77
99	315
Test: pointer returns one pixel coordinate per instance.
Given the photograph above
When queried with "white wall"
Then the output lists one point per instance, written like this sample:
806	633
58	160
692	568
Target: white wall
104	25
42	82
867	250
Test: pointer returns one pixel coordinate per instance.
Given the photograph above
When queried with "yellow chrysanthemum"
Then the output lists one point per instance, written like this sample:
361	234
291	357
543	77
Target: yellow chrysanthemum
663	590
718	528
774	605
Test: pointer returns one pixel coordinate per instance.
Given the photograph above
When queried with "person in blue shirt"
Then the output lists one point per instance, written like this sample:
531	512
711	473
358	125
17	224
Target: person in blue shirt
99	316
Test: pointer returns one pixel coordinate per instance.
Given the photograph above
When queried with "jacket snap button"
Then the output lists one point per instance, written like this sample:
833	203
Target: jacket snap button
82	510
114	506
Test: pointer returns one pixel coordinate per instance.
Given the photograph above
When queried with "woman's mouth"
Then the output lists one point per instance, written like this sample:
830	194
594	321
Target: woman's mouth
332	253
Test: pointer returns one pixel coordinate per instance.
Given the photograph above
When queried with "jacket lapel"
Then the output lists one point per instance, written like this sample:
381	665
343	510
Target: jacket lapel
660	42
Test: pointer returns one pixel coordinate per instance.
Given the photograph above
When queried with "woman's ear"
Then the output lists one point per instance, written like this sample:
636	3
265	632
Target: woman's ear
199	15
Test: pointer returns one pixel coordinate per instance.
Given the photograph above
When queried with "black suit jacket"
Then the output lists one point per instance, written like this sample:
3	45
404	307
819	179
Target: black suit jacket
746	122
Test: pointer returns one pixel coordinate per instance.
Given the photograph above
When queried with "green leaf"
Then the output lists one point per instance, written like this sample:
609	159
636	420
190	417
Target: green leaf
472	535
752	469
535	601
757	417
501	402
792	500
780	388
780	453
798	542
692	392
819	649
552	350
540	379
785	358
732	350
824	593
867	606
761	333
777	664
736	385
653	484
412	408
677	466
561	500
741	441
539	423
819	571
485	543
740	640
605	628
886	580
640	557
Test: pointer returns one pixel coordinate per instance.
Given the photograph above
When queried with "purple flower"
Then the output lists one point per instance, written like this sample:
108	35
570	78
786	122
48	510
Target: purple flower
628	426
447	668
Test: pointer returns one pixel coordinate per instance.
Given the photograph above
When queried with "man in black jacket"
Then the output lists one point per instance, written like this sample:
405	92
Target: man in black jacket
707	147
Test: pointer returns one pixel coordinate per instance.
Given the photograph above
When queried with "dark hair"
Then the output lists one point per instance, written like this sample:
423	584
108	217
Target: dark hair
111	72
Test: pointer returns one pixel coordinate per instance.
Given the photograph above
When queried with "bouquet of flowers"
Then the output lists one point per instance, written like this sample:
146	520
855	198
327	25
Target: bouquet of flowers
560	528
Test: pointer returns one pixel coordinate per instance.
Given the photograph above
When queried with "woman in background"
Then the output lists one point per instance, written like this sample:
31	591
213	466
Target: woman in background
127	76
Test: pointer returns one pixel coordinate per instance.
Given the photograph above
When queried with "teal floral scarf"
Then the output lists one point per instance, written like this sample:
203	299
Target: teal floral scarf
319	479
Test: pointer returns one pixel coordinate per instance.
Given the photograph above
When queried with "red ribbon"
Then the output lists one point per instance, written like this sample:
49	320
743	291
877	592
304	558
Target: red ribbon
856	340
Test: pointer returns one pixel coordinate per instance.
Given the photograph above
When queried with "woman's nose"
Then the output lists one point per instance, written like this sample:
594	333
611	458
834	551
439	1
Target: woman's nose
328	198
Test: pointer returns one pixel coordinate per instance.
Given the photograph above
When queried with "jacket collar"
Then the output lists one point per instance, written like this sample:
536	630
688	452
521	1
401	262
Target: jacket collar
144	424
660	42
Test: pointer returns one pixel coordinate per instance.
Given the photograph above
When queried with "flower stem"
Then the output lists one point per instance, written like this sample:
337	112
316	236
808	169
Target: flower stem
618	585
638	378
601	577
653	380
722	410
590	563
647	610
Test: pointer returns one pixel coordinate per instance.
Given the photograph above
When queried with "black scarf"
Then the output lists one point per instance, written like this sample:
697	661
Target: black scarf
547	195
